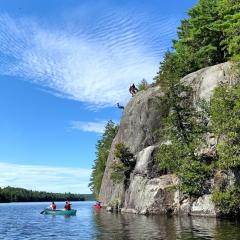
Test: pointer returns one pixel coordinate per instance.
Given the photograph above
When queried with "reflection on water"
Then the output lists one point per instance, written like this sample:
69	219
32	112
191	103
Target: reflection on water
128	226
24	221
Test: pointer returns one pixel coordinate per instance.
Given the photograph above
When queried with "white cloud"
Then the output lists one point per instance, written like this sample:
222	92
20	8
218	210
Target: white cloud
96	127
45	178
94	66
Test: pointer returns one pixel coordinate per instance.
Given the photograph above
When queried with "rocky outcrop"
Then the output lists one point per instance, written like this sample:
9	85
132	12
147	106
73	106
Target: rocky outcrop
149	191
139	124
205	80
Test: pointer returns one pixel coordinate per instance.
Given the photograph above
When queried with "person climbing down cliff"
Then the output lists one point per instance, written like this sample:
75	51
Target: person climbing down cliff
119	106
133	90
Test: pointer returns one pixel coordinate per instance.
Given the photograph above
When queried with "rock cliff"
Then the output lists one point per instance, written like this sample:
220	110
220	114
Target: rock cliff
149	191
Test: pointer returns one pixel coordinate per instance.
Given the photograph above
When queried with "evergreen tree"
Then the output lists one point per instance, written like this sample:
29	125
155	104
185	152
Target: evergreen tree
210	35
102	151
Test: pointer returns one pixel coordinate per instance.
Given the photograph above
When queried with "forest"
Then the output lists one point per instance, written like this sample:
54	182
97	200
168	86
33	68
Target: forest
12	194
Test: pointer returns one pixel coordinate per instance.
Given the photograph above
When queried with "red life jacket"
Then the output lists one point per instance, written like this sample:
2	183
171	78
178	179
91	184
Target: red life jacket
68	206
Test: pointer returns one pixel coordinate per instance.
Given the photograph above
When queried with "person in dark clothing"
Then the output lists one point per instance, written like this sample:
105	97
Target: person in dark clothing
119	106
133	90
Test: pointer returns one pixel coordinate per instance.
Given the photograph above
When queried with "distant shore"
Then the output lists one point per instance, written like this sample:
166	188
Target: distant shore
11	194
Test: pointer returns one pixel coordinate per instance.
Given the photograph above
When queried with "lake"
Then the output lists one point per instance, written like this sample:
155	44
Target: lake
24	221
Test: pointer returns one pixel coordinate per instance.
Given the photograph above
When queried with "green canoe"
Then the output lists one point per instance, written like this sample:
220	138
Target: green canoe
59	212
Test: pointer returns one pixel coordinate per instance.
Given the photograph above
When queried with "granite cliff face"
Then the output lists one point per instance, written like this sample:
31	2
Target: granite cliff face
149	191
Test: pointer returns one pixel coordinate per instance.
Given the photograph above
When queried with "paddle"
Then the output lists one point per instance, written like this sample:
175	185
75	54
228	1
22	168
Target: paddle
42	212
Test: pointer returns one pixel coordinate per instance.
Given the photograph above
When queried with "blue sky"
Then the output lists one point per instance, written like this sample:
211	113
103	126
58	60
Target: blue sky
63	67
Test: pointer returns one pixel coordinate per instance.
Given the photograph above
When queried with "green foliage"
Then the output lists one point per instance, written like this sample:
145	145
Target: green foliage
102	151
118	170
11	194
185	129
143	85
225	118
123	154
210	35
184	134
229	13
228	201
193	175
123	165
170	70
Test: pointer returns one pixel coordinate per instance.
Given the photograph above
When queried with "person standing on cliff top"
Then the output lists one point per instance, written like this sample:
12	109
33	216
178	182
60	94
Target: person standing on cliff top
133	90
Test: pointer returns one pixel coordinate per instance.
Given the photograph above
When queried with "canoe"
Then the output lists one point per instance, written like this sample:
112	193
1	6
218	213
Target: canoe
59	212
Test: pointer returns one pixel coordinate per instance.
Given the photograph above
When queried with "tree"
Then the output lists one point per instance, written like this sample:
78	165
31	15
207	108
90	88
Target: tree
225	118
229	12
142	85
210	35
102	151
184	135
123	165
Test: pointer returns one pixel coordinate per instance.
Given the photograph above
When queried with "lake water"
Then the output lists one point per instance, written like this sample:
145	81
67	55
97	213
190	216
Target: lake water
24	221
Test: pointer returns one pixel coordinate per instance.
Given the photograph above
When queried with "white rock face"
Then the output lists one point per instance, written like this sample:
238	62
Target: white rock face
141	118
205	80
147	195
143	159
203	206
150	195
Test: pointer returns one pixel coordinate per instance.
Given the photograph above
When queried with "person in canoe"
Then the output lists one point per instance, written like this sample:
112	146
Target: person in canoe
53	206
67	206
98	205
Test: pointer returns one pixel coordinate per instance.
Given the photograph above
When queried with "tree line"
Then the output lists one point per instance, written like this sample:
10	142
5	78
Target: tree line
12	194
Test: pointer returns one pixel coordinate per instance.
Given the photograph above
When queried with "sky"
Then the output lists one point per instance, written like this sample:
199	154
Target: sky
63	67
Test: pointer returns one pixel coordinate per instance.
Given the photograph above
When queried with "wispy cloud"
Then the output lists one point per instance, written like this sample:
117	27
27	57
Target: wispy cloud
45	178
96	127
92	63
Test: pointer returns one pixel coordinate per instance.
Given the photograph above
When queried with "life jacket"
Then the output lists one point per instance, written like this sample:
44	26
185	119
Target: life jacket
68	206
98	206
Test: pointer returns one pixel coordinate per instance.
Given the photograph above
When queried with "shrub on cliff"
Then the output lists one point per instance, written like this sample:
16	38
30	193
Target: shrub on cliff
123	164
102	150
225	119
183	137
143	85
227	201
